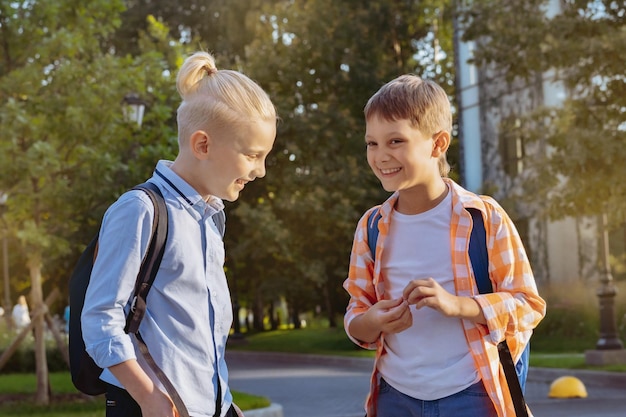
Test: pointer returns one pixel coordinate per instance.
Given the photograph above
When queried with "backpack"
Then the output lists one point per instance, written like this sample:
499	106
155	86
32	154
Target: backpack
85	373
516	374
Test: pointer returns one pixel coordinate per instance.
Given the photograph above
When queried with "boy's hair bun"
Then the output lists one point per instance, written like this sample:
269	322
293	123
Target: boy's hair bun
195	68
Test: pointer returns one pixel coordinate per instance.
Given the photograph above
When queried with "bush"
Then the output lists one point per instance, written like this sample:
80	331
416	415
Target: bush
572	322
23	359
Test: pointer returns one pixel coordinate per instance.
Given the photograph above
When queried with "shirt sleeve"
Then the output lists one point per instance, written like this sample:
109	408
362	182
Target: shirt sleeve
515	308
359	283
123	239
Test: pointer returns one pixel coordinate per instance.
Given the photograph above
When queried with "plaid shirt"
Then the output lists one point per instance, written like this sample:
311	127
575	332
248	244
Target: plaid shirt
512	311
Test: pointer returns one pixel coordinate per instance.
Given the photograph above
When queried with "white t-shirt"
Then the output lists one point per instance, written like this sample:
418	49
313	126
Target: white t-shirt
21	316
431	359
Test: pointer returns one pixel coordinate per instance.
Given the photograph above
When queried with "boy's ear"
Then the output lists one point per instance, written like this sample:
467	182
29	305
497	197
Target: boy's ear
200	144
441	143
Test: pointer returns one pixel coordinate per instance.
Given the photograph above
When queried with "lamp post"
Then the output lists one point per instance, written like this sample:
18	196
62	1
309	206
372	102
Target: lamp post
606	295
609	348
133	107
5	261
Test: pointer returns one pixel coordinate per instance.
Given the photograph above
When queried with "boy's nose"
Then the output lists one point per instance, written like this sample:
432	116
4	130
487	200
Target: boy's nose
259	171
383	156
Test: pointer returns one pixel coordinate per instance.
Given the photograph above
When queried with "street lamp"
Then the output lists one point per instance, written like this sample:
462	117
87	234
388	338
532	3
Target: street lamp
606	294
609	348
5	260
133	107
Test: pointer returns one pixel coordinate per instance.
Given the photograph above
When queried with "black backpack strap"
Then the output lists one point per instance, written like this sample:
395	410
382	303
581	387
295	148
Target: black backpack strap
517	396
479	256
152	259
147	273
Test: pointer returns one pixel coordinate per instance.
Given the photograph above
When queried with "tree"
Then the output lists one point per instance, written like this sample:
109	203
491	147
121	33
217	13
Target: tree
320	61
65	150
584	48
217	26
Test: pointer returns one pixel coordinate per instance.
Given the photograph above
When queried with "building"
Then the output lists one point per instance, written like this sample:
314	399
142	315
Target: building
492	162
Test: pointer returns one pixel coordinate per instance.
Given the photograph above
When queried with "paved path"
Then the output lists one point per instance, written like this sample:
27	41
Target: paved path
320	386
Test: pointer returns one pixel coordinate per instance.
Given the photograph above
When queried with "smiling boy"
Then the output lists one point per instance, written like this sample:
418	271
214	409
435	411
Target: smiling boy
226	129
436	337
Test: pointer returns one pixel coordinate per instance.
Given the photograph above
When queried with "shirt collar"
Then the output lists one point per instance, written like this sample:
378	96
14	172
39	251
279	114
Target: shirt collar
461	198
184	192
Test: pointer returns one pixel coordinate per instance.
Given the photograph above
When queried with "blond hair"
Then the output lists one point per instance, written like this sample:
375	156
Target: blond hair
217	98
424	103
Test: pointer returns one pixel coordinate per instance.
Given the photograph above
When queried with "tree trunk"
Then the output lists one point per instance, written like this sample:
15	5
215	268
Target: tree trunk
273	321
332	322
257	318
295	315
42	396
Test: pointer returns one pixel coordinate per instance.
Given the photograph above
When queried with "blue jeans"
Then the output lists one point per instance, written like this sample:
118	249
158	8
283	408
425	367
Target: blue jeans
471	402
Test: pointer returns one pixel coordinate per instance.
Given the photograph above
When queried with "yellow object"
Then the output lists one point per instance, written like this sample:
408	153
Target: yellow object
567	387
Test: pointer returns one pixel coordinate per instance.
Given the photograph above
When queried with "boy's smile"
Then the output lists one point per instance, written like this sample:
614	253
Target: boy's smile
241	158
400	155
405	159
387	172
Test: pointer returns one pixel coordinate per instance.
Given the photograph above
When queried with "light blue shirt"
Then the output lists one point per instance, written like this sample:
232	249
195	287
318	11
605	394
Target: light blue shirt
190	287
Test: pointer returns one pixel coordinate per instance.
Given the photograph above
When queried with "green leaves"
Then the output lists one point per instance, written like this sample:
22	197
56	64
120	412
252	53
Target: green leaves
67	153
320	61
579	169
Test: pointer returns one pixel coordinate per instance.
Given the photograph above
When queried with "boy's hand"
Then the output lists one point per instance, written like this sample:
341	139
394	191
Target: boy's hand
159	404
386	316
238	410
428	293
390	316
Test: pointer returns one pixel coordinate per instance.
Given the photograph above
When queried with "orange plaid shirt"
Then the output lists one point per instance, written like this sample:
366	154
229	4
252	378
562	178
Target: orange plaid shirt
512	311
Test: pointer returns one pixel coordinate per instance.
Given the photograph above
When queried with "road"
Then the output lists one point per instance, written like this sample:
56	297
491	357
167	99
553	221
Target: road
319	386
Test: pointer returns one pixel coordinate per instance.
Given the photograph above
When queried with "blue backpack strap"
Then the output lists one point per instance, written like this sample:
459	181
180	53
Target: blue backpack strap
478	252
479	258
372	231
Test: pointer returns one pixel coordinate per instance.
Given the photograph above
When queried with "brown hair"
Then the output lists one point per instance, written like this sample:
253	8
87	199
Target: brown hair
424	103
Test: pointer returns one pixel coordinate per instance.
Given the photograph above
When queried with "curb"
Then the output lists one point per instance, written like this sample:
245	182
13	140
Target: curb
591	378
274	410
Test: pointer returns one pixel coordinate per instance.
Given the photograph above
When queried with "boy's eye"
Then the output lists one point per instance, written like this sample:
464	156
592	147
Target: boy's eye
370	144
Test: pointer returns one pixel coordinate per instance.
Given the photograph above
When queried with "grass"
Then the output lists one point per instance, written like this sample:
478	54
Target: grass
569	361
65	402
322	341
335	342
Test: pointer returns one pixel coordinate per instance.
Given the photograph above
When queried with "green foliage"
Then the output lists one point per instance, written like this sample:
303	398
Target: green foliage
68	402
582	48
65	150
572	319
320	61
23	360
224	28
